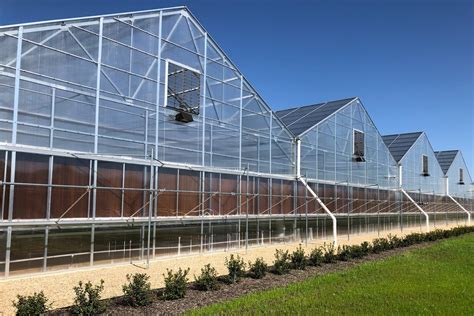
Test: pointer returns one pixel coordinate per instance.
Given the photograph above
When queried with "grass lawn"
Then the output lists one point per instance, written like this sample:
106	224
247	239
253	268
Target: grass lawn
438	279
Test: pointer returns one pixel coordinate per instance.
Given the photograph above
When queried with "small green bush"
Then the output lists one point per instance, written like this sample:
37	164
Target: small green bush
360	251
282	264
380	244
137	291
412	239
316	257
298	259
175	284
330	255
207	280
236	267
88	299
393	241
344	253
258	269
36	304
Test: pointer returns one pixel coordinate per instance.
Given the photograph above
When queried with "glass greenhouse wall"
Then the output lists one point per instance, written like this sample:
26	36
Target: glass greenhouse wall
133	137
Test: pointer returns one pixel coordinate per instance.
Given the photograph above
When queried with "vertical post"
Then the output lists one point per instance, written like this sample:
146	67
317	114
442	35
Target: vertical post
122	195
51	126
247	209
14	136
45	253
204	96
306	216
157	120
96	136
150	209
202	177
50	183
239	209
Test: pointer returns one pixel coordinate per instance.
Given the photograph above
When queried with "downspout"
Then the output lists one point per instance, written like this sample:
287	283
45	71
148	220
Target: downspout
299	178
457	203
411	200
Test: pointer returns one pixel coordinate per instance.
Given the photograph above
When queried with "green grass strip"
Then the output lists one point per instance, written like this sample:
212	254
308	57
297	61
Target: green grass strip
436	280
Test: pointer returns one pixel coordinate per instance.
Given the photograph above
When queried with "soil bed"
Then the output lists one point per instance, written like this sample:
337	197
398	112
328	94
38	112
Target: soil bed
195	298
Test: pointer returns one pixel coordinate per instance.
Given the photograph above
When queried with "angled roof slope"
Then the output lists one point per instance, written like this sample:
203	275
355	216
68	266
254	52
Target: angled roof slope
300	119
399	144
446	158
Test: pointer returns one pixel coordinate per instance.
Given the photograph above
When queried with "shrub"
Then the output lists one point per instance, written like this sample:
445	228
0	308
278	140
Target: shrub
282	264
175	284
412	239
298	259
344	253
207	280
236	268
36	304
258	269
137	291
88	299
393	241
380	244
316	257
330	255
364	249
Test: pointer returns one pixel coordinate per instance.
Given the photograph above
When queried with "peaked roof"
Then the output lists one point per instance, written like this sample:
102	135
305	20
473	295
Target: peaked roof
300	119
446	158
399	144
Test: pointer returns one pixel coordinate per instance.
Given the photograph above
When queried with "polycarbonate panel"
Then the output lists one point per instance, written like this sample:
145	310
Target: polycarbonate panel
327	151
58	99
413	178
458	187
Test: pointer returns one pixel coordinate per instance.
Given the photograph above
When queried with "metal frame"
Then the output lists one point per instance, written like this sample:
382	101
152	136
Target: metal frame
275	156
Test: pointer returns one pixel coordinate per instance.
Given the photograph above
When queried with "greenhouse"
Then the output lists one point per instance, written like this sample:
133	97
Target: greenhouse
423	180
133	136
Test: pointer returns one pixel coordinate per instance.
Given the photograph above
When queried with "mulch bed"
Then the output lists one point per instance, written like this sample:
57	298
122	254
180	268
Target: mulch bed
195	299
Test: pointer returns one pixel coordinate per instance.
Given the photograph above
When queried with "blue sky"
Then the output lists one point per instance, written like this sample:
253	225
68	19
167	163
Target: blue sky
410	62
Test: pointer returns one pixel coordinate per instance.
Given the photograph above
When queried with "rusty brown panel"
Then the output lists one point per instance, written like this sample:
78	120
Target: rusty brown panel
263	191
134	200
188	201
276	196
287	191
213	196
167	181
109	201
229	197
313	205
330	197
70	202
356	203
30	201
342	201
245	197
371	197
301	195
248	195
383	201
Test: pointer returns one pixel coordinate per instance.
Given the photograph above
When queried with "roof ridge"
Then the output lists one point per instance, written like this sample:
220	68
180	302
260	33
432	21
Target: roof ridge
314	104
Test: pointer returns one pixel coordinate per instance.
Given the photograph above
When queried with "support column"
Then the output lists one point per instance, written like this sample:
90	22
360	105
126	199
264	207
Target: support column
14	136
96	138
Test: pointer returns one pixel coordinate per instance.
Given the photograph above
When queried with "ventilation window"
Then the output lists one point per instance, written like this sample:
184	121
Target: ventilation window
461	176
183	86
359	152
425	171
